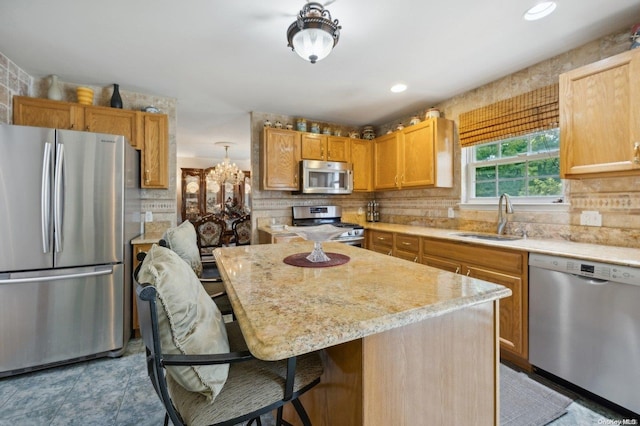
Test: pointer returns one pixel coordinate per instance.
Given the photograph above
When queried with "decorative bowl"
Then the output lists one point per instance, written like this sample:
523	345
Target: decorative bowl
317	234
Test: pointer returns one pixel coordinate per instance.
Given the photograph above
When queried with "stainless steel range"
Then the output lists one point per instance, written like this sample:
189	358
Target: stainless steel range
320	215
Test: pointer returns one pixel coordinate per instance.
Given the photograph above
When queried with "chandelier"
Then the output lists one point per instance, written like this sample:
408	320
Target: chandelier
225	172
313	34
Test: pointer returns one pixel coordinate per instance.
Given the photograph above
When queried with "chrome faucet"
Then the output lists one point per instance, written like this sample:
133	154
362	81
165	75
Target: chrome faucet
502	219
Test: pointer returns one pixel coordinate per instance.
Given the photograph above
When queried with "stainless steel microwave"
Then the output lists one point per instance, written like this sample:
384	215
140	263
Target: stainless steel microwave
326	177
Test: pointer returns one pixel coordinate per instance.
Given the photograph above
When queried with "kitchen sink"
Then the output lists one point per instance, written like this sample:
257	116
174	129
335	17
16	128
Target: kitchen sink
492	237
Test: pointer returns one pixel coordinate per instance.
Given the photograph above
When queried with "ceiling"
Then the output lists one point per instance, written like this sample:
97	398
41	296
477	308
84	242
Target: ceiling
224	59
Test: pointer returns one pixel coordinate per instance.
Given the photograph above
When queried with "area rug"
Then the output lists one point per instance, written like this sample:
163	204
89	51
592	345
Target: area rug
525	402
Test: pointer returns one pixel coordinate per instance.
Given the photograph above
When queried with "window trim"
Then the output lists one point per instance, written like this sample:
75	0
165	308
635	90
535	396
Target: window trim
531	203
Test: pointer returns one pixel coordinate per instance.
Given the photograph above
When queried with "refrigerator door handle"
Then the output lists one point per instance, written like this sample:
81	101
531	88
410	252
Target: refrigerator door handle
45	198
106	270
58	198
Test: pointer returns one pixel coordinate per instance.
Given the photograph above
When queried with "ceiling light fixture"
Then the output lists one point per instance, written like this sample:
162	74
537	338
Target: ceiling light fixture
540	10
225	172
397	88
313	34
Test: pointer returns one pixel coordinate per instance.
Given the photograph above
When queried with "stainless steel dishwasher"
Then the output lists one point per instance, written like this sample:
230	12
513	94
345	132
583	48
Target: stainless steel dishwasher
584	325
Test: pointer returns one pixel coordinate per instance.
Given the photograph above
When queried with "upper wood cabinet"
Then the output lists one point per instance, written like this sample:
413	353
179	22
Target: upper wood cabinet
361	152
417	156
427	154
46	113
386	161
145	131
154	167
599	118
114	121
280	159
315	146
338	148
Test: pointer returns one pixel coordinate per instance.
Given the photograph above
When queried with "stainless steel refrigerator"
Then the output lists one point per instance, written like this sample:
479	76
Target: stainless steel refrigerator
69	207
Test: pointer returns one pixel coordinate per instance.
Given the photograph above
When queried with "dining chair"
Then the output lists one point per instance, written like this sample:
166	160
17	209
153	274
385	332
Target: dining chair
242	230
199	365
183	240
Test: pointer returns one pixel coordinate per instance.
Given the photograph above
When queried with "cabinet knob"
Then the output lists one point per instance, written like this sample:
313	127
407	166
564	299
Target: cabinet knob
457	270
636	153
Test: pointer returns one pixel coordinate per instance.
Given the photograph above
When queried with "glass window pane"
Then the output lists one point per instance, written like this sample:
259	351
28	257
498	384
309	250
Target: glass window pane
548	140
515	187
486	152
546	186
521	166
484	173
513	147
485	189
546	167
506	171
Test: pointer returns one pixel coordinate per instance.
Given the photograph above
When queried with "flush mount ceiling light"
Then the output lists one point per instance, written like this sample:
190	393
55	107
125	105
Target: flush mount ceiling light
399	87
313	34
540	10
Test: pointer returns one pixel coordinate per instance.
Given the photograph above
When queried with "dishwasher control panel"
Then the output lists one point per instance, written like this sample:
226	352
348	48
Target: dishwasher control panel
587	268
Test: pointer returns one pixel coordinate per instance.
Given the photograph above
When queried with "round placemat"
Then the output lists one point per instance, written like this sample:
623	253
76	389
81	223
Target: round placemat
300	259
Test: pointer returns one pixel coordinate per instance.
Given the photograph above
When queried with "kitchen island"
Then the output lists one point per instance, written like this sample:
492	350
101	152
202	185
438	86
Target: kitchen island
402	343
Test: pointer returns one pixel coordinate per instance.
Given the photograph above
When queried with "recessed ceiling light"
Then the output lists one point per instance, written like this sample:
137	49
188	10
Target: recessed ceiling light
397	88
540	10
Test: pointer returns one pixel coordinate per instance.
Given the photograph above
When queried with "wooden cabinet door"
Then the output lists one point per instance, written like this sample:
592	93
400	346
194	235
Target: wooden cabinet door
338	148
417	162
137	248
381	242
599	125
441	263
361	158
385	161
407	247
280	160
513	320
314	146
193	189
47	113
114	121
155	152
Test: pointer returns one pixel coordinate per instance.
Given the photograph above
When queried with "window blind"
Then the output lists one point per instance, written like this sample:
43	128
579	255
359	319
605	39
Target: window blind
522	114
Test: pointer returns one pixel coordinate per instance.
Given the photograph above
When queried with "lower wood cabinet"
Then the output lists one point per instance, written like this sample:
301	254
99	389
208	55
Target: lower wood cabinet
502	266
137	248
380	241
506	267
407	247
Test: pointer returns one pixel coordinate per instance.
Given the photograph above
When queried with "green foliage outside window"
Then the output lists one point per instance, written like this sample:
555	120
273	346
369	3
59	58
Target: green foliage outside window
524	166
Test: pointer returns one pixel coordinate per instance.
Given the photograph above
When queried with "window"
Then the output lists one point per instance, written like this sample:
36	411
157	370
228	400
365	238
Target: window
524	167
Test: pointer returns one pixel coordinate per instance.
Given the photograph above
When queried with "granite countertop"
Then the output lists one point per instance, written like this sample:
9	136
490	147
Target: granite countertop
147	238
593	252
286	310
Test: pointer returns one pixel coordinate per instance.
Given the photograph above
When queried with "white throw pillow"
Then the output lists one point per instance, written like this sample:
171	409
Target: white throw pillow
189	322
183	240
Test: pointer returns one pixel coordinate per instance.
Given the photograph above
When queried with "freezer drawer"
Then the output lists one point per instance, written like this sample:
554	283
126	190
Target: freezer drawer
64	316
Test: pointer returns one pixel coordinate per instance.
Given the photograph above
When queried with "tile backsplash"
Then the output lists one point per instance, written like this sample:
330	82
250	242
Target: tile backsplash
14	81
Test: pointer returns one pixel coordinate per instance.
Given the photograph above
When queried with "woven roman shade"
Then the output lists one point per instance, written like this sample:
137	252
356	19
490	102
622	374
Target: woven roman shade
522	114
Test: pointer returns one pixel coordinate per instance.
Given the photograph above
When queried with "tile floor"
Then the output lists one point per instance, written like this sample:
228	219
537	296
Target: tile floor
118	392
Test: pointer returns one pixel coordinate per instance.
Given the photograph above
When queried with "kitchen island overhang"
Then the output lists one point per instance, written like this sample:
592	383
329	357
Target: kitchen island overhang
387	314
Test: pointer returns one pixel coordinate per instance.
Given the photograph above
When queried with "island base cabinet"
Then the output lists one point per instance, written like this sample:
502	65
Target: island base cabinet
440	371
